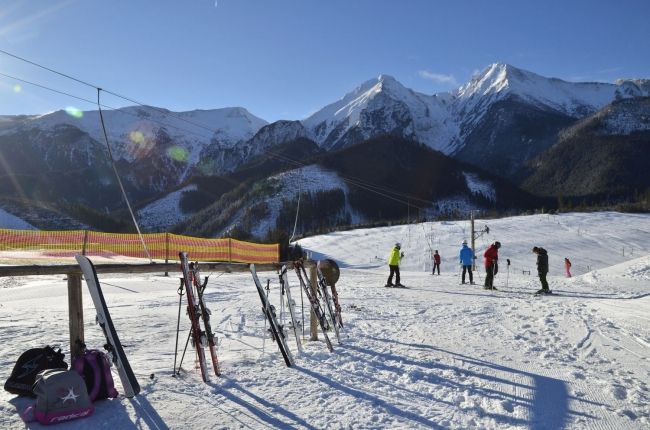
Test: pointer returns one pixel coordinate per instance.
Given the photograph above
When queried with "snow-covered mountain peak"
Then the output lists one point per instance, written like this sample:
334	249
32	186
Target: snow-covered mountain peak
497	78
383	105
499	81
628	88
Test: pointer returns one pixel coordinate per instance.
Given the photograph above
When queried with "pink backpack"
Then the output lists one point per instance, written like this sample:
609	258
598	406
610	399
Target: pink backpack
95	369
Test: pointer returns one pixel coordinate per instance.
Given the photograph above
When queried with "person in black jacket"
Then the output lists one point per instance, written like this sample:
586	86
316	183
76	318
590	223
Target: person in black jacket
542	268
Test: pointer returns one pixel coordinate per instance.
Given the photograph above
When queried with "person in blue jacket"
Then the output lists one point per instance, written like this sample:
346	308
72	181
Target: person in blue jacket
466	259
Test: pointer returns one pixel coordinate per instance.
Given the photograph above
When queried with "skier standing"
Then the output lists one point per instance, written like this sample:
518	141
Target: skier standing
567	266
466	259
393	263
436	262
542	269
491	257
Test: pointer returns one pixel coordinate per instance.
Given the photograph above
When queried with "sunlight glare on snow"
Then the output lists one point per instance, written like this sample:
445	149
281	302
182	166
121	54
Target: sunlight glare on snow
177	153
74	112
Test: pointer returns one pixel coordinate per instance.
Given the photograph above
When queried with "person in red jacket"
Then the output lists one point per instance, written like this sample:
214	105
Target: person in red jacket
567	266
436	263
491	266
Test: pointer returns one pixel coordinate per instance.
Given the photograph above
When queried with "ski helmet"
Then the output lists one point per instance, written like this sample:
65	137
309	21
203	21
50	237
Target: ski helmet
464	242
497	244
398	245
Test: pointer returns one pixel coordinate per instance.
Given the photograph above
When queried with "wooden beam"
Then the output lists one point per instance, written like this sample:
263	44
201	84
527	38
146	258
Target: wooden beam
76	313
63	269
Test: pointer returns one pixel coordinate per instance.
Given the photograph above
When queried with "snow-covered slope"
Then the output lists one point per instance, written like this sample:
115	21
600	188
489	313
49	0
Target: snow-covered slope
285	189
163	213
134	129
8	220
438	355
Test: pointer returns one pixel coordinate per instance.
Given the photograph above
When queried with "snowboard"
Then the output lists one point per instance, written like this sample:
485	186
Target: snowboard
113	344
269	312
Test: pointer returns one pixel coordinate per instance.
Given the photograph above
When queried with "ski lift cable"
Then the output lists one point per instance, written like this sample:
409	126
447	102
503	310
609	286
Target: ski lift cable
345	178
359	183
103	105
354	181
163	111
295	222
117	175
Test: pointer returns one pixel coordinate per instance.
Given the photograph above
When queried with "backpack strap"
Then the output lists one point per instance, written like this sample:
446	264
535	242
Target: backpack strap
91	357
108	377
28	414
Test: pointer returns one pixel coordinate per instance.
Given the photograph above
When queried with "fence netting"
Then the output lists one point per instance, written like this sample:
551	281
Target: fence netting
161	246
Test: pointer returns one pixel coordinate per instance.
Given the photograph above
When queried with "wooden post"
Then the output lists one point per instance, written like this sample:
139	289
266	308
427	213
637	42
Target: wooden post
75	311
83	248
314	290
166	251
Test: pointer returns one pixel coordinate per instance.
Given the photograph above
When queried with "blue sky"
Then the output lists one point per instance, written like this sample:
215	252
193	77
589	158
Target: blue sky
285	59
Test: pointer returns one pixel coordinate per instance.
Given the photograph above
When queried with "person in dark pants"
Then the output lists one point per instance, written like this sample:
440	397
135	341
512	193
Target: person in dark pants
491	257
436	262
393	263
466	257
542	269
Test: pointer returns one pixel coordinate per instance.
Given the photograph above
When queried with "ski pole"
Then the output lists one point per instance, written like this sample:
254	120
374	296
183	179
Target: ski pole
178	322
508	272
187	342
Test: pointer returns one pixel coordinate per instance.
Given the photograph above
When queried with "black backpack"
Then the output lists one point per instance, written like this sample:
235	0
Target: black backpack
29	364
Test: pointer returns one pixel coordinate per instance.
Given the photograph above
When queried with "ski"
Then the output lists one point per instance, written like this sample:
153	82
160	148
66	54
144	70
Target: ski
113	345
284	282
544	293
314	303
205	314
276	329
335	294
193	311
328	303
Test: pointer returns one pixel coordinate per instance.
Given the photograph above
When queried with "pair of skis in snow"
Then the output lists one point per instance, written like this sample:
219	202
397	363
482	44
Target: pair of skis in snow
197	311
277	329
332	306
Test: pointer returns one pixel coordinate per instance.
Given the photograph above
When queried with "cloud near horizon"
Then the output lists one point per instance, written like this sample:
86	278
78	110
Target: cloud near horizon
438	77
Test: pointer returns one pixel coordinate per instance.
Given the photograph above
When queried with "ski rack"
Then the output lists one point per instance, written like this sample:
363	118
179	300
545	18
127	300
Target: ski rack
75	290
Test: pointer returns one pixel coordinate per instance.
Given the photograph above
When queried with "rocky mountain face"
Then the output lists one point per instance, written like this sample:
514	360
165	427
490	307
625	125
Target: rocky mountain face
605	156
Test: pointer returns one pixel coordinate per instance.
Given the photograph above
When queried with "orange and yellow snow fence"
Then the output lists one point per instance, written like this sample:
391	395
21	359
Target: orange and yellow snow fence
161	246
